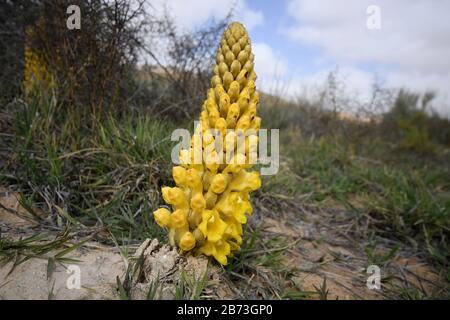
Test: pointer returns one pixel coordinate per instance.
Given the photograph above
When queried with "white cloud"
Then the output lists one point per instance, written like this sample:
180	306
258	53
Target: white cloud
268	62
250	18
192	13
410	50
270	66
413	34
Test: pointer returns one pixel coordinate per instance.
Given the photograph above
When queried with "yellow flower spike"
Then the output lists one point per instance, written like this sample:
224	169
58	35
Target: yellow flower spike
187	241
211	201
162	217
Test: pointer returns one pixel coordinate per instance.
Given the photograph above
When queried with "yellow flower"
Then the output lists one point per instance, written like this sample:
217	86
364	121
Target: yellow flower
245	181
174	196
219	250
211	199
234	229
187	241
198	202
179	175
162	217
232	205
178	219
218	183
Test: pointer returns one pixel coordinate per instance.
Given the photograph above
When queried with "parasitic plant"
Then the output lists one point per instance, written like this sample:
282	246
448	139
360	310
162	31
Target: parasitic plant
211	201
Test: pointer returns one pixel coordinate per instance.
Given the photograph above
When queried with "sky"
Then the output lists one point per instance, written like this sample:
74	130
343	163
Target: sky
400	43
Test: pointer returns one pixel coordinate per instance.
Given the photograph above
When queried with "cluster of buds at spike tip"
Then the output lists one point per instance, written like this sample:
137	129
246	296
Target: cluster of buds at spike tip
211	199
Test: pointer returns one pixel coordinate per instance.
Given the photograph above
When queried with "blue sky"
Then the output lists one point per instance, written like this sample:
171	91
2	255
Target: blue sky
403	43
